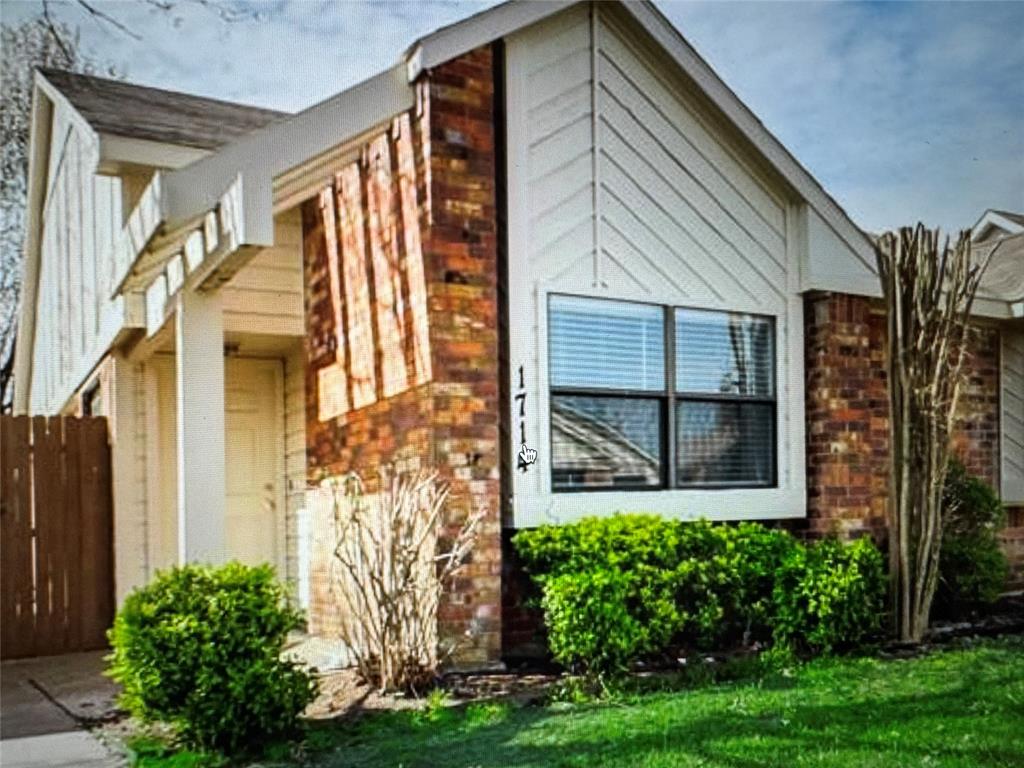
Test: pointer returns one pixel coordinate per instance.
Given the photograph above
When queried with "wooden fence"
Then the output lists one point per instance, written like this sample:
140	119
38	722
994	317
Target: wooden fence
56	531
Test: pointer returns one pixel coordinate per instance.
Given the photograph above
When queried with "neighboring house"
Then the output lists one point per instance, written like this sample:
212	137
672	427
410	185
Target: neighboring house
550	224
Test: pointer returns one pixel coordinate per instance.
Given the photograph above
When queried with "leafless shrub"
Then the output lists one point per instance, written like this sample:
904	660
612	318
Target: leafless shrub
929	290
391	570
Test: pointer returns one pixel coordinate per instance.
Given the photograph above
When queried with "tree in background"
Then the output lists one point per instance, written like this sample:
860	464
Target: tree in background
106	14
28	45
928	290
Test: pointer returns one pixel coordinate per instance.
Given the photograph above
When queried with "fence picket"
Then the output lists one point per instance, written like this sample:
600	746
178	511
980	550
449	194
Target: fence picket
56	530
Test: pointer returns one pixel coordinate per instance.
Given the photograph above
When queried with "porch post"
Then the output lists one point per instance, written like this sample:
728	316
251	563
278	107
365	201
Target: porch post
199	353
131	554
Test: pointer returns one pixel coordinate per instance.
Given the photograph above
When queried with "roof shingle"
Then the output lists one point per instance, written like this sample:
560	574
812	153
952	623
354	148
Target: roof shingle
135	111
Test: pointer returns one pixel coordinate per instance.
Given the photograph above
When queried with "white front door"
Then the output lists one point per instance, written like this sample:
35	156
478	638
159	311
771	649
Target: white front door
254	458
254	447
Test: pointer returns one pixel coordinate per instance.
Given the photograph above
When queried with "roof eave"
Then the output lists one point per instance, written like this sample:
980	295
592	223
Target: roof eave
223	205
44	97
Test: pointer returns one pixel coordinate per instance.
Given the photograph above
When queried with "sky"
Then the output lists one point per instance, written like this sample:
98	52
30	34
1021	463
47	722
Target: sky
903	111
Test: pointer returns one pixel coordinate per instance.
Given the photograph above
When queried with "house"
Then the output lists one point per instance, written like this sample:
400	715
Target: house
550	224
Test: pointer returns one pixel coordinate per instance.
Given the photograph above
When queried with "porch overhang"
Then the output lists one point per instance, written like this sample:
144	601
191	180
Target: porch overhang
195	227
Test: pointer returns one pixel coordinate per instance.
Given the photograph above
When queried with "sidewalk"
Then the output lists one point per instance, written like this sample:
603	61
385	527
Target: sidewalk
42	702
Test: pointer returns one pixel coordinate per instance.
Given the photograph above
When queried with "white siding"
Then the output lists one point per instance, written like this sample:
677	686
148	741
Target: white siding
1012	418
76	321
295	455
75	317
122	389
833	265
622	186
265	296
161	442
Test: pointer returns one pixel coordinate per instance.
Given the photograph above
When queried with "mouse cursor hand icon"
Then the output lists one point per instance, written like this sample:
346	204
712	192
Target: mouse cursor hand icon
527	455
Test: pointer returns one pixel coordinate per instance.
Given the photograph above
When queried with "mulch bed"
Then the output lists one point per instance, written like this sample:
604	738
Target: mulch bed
1006	618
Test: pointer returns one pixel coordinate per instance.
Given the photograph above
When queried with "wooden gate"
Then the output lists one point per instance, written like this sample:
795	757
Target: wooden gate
56	535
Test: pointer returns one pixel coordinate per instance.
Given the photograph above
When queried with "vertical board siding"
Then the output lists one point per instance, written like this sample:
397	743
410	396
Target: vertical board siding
295	455
623	184
57	528
1011	381
80	223
122	396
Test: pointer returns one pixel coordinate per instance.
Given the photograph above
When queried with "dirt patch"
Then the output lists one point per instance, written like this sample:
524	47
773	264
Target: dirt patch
342	693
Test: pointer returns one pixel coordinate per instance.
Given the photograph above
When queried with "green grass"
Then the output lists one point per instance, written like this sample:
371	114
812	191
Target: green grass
954	708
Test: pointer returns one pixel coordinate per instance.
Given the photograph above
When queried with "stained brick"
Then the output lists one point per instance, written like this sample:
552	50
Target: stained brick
847	414
450	421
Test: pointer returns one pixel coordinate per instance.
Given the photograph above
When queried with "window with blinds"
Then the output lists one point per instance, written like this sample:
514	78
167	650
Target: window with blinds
607	370
648	397
725	399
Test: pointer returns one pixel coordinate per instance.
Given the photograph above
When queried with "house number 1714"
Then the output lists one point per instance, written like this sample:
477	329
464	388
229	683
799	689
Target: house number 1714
527	455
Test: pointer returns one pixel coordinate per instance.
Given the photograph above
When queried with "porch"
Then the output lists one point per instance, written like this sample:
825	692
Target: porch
207	421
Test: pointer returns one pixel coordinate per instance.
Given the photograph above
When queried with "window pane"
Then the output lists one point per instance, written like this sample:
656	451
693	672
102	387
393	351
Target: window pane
606	344
605	442
720	352
724	443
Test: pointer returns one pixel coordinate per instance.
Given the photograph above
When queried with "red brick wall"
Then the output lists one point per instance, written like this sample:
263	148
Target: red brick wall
848	413
462	285
977	438
522	621
432	210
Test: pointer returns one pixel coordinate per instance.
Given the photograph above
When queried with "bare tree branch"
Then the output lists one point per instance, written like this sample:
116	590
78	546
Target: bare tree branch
106	17
57	33
390	571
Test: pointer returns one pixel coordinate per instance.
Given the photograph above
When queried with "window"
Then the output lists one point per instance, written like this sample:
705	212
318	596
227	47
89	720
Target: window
637	406
608	405
725	399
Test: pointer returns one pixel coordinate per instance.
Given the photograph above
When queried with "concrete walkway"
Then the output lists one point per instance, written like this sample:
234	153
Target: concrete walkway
42	703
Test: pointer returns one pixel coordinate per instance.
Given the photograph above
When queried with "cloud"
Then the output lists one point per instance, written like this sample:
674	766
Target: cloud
903	111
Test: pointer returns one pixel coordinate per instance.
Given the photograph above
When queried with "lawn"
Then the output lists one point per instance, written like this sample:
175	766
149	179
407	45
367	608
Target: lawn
962	707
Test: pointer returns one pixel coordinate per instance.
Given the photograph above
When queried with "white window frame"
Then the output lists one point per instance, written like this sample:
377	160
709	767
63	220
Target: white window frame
534	502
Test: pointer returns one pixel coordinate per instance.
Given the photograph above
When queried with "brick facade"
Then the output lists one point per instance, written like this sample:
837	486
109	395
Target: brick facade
411	232
462	258
847	413
402	258
976	440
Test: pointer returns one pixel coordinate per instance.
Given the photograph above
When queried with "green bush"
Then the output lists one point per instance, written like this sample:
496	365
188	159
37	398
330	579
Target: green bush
972	566
721	576
619	541
608	588
199	649
754	556
829	595
618	588
601	619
